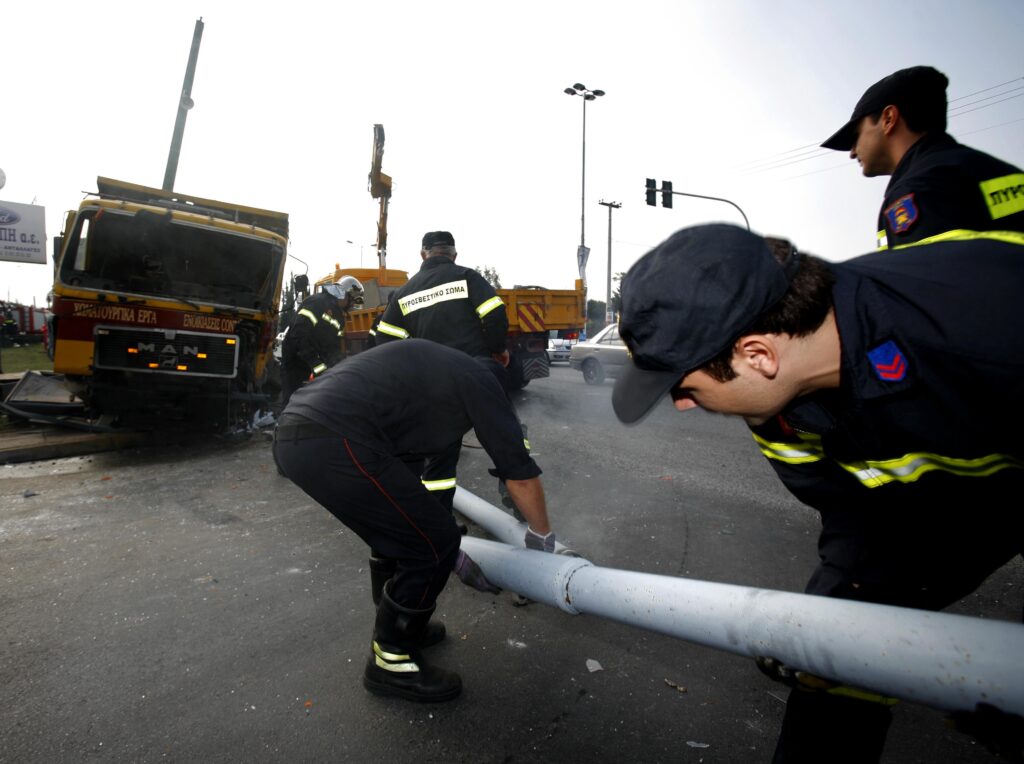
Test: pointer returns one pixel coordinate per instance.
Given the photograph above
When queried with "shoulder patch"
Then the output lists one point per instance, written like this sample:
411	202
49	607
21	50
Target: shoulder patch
889	362
902	214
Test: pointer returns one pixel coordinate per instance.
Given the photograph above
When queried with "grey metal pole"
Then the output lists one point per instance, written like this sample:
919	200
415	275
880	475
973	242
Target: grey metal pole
715	199
947	661
583	191
609	314
184	104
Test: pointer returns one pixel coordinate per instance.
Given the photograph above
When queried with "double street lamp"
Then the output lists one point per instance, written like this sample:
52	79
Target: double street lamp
579	89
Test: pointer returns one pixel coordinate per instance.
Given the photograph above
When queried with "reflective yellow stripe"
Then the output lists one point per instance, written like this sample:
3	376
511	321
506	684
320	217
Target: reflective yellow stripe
959	234
910	467
439	485
319	368
486	307
1004	196
394	331
882	240
398	662
874	473
331	320
807	450
526	443
308	314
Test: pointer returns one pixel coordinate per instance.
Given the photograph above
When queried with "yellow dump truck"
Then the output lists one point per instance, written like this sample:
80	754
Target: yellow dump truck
165	305
533	312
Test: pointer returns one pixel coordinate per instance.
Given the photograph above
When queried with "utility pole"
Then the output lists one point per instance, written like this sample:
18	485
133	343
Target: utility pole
185	103
609	312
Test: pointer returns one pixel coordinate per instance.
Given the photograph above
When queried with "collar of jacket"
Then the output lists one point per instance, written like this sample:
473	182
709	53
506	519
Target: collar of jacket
436	261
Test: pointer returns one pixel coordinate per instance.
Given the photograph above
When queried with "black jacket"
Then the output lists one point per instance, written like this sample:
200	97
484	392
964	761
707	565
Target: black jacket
414	399
449	304
909	459
313	343
940	185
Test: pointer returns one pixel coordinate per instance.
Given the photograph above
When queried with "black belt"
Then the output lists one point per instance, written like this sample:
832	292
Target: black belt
295	428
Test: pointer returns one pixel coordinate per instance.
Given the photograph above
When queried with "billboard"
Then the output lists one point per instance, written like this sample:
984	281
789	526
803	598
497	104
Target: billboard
22	233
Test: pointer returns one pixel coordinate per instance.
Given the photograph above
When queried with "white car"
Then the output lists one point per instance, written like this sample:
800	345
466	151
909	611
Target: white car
600	357
558	350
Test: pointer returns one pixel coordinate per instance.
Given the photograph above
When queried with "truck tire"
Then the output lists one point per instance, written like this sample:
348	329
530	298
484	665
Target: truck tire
516	381
593	372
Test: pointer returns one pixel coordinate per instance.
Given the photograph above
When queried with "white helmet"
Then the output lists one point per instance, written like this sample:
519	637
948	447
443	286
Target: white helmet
349	291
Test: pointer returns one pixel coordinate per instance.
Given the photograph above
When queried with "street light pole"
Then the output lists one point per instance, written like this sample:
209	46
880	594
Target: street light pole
579	89
609	313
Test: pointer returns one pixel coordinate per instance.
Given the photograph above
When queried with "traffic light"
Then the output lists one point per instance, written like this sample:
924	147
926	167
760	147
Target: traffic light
666	193
651	186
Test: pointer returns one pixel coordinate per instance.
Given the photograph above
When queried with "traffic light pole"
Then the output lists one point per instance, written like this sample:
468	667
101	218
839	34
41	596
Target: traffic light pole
667	191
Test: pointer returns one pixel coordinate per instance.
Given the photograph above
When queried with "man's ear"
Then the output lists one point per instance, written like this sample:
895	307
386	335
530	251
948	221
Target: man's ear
423	254
759	352
890	118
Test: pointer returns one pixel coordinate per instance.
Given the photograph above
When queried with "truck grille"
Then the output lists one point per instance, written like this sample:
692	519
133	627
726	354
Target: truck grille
166	351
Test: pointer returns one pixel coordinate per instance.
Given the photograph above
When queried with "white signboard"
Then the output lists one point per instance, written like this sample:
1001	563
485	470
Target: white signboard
22	233
582	255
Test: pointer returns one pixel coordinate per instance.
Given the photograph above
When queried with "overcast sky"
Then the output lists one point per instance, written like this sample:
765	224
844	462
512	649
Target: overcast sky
724	98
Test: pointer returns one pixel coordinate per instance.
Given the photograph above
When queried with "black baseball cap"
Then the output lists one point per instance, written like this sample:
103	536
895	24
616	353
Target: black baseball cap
920	86
686	301
437	238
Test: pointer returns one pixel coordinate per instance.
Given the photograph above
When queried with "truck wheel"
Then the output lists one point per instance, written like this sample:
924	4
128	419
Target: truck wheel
593	372
516	381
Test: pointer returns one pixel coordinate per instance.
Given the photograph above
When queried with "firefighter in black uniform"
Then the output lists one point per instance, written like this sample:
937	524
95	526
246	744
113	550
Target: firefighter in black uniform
313	343
885	391
454	306
10	327
346	439
898	128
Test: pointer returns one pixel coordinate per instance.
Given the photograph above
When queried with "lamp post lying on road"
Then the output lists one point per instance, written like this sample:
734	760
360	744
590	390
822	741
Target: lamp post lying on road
947	661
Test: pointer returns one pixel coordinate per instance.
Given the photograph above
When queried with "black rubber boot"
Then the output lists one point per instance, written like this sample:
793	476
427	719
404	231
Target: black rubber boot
381	571
396	666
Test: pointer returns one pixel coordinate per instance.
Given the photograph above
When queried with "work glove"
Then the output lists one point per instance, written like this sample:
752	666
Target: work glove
801	680
541	543
470	574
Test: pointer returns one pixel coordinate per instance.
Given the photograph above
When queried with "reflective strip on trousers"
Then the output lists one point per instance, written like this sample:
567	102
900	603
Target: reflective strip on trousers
486	307
320	368
392	330
446	484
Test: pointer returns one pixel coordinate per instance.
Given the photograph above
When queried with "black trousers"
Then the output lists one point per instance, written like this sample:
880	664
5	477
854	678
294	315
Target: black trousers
382	501
925	557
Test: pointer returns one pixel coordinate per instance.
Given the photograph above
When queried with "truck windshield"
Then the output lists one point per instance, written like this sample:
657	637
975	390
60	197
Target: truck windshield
148	253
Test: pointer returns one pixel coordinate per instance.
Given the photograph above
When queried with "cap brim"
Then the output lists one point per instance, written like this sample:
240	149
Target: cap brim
638	390
844	138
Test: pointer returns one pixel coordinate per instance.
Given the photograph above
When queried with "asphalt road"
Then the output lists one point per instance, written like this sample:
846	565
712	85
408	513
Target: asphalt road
188	604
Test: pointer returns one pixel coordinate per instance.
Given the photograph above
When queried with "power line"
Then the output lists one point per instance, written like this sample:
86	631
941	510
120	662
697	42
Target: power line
814	150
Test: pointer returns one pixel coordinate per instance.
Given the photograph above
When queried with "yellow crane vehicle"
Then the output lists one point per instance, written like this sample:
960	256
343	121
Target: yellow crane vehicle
165	305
